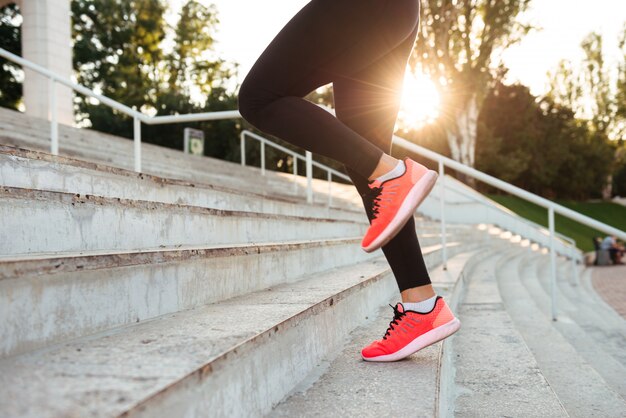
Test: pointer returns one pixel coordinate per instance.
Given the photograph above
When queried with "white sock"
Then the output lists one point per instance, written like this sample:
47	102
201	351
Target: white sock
396	172
424	306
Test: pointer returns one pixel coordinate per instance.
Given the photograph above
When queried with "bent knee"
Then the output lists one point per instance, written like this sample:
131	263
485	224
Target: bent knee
250	102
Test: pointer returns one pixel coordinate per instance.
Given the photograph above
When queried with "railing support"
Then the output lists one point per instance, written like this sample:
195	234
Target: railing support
242	143
137	143
330	189
552	262
54	124
295	174
442	197
262	157
309	177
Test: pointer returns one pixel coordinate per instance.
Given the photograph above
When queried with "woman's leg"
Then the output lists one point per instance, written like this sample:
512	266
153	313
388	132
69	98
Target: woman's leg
325	41
368	103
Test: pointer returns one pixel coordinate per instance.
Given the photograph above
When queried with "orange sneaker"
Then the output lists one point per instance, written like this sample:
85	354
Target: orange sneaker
391	203
411	331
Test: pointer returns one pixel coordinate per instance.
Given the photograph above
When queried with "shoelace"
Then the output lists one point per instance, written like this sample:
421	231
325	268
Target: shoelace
397	315
373	197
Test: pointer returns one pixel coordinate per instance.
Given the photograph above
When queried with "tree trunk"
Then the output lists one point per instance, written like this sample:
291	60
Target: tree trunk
462	135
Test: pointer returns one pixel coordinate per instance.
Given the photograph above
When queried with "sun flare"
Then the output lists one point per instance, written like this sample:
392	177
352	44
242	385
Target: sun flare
420	101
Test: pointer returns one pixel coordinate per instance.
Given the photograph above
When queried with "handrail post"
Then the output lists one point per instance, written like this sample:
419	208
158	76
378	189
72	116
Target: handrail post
137	143
262	157
54	124
330	188
309	177
442	195
242	141
295	174
552	262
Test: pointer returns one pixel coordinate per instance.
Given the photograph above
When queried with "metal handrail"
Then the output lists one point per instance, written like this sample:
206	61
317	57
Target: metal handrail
517	191
442	161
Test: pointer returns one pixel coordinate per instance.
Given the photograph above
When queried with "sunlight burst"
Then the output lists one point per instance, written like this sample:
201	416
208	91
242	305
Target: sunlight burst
420	101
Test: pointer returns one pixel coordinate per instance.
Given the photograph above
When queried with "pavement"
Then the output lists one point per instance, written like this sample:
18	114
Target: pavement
610	283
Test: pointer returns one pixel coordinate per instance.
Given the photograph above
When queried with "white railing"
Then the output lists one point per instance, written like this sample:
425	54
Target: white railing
307	158
441	160
514	190
139	118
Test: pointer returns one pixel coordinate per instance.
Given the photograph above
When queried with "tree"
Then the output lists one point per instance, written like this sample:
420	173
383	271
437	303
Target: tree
457	48
11	40
539	145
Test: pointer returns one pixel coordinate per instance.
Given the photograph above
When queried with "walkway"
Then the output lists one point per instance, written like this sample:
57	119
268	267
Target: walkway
610	283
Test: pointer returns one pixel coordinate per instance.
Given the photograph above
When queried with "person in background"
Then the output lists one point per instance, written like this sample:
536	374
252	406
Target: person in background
614	248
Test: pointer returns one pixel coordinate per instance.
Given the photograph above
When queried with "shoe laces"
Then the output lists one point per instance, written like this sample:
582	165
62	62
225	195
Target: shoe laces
373	197
397	316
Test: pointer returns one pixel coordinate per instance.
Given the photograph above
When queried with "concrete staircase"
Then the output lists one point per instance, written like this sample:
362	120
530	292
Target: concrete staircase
202	288
208	294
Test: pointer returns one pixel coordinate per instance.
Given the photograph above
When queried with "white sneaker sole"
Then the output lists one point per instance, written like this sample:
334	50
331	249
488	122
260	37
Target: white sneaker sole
420	342
413	199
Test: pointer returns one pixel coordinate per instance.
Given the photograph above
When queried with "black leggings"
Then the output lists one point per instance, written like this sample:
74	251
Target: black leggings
362	47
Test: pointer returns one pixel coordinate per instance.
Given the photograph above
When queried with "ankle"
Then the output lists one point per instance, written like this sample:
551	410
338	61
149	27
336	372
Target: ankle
417	294
385	165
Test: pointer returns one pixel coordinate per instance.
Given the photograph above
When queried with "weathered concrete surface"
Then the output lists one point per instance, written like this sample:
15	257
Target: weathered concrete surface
495	373
234	358
41	221
19	130
586	378
345	385
85	294
35	170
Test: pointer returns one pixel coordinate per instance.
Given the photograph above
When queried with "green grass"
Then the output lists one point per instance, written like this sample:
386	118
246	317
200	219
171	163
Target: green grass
608	213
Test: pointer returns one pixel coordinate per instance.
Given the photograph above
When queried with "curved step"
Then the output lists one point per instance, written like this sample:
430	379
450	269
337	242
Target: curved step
495	373
580	388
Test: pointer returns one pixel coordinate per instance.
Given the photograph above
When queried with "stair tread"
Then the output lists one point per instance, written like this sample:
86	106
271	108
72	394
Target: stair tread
124	366
578	385
591	340
345	385
495	373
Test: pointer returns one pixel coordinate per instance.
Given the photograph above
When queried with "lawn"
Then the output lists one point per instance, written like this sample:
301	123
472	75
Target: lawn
609	213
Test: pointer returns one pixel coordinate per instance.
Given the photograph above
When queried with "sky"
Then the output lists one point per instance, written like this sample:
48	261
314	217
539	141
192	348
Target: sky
247	26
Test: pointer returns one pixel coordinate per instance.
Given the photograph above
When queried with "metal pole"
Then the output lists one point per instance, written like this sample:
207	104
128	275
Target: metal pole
263	158
552	262
442	196
309	177
330	188
295	174
137	142
54	124
242	139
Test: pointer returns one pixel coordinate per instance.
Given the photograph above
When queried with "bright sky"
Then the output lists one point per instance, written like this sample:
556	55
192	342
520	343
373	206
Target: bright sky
247	27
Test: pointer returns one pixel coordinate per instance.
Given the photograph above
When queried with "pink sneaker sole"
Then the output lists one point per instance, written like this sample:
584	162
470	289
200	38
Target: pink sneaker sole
414	198
421	342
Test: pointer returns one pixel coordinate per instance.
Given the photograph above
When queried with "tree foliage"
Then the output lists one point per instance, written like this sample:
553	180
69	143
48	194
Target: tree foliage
540	146
11	40
457	47
119	49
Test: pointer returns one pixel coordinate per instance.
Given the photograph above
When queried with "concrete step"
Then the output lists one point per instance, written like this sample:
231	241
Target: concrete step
49	299
233	358
42	221
599	345
97	147
344	385
36	170
581	389
494	372
598	320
